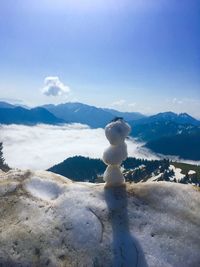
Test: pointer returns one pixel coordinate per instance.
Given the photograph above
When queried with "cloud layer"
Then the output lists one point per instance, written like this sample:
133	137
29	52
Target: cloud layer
42	146
54	87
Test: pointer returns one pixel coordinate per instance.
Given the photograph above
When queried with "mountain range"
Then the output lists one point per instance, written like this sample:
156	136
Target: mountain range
166	133
19	115
66	113
182	118
93	116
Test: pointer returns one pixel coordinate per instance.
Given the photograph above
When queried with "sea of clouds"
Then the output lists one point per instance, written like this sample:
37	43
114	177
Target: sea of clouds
42	146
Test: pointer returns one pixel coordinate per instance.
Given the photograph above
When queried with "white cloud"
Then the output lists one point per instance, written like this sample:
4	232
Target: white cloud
42	146
177	101
54	87
132	104
120	102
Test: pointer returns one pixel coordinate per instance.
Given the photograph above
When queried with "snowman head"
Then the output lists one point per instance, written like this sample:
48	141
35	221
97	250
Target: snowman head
117	131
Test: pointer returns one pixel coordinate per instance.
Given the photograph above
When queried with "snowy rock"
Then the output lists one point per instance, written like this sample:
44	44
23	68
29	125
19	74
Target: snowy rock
48	220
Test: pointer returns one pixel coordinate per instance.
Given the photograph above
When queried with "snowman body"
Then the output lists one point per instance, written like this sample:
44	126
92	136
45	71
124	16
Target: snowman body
116	153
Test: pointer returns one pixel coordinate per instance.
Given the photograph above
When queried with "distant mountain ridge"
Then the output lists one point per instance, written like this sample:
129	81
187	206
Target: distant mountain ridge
86	114
128	116
19	115
169	134
158	129
98	117
182	118
6	105
80	113
165	133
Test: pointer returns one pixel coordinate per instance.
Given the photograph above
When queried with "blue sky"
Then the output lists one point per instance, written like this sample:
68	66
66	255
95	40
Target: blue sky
130	55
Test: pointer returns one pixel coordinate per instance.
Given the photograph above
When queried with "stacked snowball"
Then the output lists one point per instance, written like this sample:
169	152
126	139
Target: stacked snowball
116	153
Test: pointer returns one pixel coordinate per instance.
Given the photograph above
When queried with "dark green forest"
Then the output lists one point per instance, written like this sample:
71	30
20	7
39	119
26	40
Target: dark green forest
3	166
83	169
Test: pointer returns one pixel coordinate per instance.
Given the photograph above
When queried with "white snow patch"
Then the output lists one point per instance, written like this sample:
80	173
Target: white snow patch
178	175
7	188
160	219
155	177
44	189
191	172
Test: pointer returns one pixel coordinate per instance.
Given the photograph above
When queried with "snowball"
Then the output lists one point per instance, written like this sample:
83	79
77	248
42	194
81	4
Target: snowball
113	176
117	131
114	155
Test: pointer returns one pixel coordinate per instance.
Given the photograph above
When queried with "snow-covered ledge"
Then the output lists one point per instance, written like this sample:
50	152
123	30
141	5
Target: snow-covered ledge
116	153
49	220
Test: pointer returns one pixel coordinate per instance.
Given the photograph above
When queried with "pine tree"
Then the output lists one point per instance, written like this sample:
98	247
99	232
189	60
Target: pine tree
3	166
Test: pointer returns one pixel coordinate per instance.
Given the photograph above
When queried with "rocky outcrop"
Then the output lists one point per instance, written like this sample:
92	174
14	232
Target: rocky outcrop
48	220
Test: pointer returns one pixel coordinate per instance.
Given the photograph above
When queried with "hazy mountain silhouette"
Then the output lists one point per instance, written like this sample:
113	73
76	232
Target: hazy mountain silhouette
19	115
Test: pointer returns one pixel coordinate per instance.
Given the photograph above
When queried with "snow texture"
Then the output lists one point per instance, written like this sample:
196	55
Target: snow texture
44	189
113	175
47	220
115	155
117	131
177	171
191	172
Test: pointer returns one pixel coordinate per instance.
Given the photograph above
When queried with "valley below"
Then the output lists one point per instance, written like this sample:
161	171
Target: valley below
42	146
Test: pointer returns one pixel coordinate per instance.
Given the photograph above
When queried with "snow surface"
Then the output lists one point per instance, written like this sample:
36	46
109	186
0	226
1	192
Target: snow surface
49	220
44	189
191	172
178	175
155	177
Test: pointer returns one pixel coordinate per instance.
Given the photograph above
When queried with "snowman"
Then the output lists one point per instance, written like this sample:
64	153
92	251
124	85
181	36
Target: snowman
116	153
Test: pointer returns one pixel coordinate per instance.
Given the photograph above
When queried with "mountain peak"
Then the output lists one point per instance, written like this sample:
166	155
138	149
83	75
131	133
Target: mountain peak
185	115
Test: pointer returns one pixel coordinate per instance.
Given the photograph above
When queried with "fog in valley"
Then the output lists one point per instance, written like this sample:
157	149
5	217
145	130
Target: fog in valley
42	146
